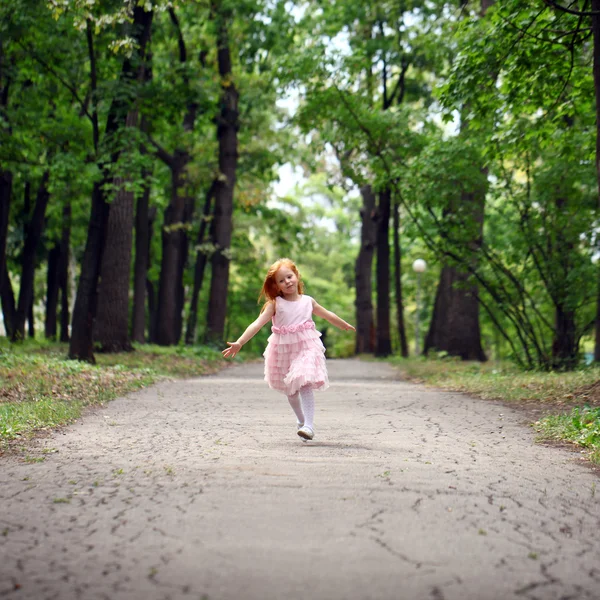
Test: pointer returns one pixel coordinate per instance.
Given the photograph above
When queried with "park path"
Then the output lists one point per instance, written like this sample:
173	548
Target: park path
201	489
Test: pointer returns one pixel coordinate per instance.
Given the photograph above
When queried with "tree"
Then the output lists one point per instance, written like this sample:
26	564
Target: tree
181	204
227	131
33	234
524	125
81	345
363	273
454	326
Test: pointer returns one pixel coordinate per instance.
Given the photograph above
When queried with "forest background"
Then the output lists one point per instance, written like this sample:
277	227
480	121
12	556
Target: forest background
140	143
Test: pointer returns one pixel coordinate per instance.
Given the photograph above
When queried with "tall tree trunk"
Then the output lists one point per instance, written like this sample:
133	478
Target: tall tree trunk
52	289
565	346
173	230
390	95
33	236
6	177
112	320
9	309
5	197
151	285
398	282
188	213
81	345
596	68
63	272
111	329
384	344
454	326
199	268
364	272
227	129
142	263
169	315
31	321
84	313
152	311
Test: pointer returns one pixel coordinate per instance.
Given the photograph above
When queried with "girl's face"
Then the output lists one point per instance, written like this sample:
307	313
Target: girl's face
287	281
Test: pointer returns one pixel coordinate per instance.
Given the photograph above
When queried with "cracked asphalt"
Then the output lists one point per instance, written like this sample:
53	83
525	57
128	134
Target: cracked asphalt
201	489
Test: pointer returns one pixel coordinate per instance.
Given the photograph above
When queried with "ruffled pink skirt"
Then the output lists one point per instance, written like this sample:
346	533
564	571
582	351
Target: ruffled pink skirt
294	358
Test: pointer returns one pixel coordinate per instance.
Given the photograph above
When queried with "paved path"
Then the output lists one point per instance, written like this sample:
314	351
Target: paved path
201	489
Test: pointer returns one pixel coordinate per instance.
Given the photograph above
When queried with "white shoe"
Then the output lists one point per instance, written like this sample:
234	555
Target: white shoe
306	433
299	425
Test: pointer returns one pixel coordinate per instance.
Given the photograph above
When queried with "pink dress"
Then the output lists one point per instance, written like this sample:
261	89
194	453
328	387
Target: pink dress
295	355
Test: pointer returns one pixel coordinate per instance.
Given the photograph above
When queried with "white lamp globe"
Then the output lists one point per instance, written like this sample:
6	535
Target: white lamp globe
419	265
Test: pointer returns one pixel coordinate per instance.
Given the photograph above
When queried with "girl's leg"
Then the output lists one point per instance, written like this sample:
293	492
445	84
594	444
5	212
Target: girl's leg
307	401
297	407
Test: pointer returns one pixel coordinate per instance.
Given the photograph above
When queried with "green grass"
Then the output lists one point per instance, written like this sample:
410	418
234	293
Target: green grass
571	400
499	380
40	389
580	427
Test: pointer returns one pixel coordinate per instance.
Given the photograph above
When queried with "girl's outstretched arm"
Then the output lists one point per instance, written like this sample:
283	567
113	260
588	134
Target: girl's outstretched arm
251	331
331	317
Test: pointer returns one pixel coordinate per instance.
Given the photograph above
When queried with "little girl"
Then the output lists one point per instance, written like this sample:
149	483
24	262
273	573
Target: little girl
295	355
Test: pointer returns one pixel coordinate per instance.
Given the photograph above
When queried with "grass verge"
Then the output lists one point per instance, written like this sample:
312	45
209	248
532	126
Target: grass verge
562	406
40	389
580	427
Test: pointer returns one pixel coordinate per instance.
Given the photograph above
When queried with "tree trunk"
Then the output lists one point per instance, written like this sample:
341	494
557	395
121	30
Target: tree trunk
6	177
224	189
63	273
33	236
168	321
82	342
565	347
595	6
188	213
31	321
84	313
454	325
142	263
169	292
363	273
398	282
384	344
199	268
112	319
152	311
52	289
5	197
9	308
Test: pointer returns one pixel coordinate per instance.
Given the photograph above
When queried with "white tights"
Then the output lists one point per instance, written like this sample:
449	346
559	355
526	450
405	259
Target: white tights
303	404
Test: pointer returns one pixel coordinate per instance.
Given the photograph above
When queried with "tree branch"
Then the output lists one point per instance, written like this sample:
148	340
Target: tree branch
163	154
579	13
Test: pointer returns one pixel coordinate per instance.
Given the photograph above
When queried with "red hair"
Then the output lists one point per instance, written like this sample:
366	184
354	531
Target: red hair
269	290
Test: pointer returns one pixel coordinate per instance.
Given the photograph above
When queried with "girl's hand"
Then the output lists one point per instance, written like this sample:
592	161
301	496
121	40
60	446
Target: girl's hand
348	327
234	348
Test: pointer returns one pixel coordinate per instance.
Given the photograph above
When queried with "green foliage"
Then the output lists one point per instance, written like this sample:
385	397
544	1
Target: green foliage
435	102
580	427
